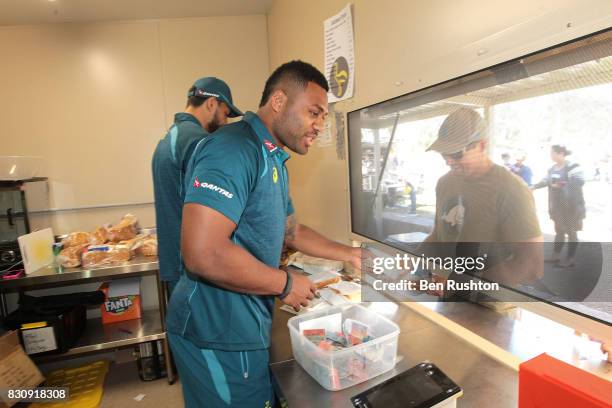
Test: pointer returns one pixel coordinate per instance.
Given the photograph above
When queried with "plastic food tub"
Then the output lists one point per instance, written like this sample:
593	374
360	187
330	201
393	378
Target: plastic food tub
340	369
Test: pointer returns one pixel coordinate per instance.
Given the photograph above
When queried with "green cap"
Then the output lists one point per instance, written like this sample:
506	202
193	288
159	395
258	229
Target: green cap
211	86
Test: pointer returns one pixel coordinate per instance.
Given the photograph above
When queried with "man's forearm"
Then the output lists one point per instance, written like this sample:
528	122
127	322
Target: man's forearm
232	267
310	242
525	266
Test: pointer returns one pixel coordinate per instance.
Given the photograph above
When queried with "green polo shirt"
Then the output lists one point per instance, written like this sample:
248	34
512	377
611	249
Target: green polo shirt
240	173
169	164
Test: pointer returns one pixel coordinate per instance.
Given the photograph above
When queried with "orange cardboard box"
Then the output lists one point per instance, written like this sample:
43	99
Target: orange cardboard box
122	301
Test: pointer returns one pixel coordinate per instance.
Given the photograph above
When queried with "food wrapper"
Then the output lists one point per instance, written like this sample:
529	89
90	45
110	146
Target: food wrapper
97	255
125	230
142	244
99	236
315	335
148	247
76	239
356	331
71	257
134	243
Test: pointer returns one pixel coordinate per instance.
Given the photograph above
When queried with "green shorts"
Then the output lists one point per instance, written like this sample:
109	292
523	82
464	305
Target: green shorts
216	378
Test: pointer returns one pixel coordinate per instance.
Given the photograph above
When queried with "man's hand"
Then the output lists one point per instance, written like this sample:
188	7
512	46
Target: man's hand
356	256
437	279
302	291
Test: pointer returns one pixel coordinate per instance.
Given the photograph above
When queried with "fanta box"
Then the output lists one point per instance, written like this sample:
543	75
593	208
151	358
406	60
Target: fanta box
121	300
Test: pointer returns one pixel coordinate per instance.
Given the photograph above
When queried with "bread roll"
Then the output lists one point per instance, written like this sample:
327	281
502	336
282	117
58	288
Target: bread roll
106	255
324	283
125	230
99	236
76	239
71	257
148	247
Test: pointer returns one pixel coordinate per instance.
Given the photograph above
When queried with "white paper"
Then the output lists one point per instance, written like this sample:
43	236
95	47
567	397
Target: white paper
332	297
313	264
323	276
39	340
332	323
339	55
139	397
346	288
124	287
324	138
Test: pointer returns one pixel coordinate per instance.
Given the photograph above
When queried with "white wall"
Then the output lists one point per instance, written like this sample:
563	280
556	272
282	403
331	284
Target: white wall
94	99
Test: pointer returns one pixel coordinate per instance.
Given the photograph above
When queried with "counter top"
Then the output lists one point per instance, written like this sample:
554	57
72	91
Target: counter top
485	381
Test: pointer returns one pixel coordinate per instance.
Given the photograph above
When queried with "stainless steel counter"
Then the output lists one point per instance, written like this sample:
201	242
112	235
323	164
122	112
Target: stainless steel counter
97	336
50	276
485	381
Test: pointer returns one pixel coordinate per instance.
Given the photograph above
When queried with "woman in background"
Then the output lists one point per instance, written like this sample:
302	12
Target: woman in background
565	203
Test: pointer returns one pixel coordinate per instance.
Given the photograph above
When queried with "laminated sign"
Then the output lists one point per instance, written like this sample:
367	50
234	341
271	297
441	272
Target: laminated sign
339	55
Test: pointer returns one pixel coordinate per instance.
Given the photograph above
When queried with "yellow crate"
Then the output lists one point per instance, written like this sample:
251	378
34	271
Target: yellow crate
86	384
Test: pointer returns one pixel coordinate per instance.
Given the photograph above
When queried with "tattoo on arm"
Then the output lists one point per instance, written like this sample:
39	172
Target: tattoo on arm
290	227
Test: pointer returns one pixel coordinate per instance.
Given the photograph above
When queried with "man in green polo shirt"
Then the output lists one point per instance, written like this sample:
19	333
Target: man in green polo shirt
209	104
483	209
236	216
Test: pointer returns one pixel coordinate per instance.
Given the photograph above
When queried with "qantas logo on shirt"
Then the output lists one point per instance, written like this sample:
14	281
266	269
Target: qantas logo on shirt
217	189
270	146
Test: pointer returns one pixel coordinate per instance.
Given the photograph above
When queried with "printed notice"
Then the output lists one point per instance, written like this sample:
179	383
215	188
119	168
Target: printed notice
324	138
39	340
339	55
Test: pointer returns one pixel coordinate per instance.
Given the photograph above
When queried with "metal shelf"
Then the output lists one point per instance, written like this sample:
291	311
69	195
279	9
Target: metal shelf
49	276
99	337
18	183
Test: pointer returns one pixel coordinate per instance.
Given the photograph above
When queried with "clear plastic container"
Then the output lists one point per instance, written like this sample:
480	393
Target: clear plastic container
340	369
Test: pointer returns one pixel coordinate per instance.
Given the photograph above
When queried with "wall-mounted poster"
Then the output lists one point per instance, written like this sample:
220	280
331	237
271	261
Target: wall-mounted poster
339	55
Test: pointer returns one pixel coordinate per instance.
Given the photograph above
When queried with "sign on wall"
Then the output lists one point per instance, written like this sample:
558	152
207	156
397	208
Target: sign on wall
339	55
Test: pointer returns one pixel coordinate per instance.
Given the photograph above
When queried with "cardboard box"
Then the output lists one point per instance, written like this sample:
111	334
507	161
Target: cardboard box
122	300
16	369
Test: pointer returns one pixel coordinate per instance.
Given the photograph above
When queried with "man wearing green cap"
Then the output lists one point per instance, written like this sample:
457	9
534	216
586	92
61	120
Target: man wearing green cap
483	206
209	104
237	215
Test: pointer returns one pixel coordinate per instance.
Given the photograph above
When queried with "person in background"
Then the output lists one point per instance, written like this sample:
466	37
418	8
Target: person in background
481	208
209	104
237	216
522	170
506	161
566	205
411	190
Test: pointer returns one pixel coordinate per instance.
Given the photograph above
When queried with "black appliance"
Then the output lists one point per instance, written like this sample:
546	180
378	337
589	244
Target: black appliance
18	198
